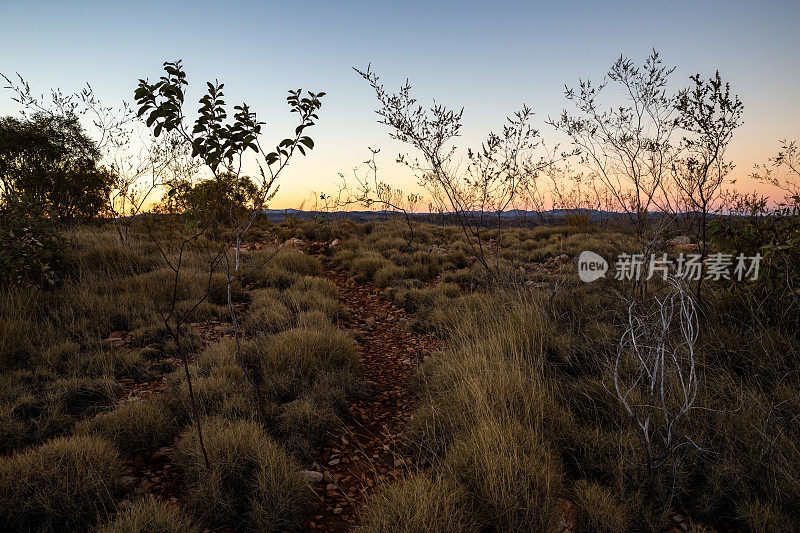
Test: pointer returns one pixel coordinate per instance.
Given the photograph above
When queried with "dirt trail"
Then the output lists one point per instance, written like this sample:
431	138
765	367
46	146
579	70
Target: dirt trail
365	453
368	450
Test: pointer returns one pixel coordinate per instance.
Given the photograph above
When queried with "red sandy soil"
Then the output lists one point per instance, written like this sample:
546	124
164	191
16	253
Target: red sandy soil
368	451
365	453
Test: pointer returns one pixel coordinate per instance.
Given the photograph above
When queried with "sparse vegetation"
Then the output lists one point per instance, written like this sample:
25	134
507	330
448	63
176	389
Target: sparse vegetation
196	366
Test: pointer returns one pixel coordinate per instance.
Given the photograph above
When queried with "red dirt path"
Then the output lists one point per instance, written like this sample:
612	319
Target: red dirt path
368	451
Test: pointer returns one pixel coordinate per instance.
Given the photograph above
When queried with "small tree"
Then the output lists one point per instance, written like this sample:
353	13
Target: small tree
497	174
51	162
709	114
208	200
221	145
628	147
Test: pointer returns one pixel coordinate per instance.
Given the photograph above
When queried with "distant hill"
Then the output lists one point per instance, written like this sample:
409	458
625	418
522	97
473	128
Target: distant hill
513	215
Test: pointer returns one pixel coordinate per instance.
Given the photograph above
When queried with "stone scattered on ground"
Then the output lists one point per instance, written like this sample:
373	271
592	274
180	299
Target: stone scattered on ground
679	240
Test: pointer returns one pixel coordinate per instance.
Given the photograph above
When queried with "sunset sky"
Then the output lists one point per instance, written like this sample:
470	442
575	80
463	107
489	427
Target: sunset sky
489	57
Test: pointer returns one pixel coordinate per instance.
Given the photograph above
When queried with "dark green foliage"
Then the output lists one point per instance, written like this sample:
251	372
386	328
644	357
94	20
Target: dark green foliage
213	140
30	248
775	235
48	161
210	201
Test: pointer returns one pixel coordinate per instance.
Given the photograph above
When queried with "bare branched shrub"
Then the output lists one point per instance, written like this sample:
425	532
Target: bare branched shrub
782	170
709	114
370	191
628	147
498	173
655	374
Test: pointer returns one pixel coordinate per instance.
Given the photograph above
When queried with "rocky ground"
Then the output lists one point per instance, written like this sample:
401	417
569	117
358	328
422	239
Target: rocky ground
368	451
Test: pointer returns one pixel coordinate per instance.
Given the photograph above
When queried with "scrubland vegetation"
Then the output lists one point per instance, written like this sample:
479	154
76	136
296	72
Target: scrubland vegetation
202	343
69	420
516	415
519	412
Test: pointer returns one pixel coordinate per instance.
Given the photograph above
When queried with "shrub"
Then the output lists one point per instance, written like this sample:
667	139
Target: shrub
219	386
120	363
64	484
755	439
320	285
422	300
150	516
388	274
137	426
297	262
269	276
30	248
18	310
217	355
601	511
13	431
424	266
109	259
158	285
367	265
216	393
218	290
150	334
266	317
315	319
761	517
345	255
299	300
190	340
295	359
415	504
250	479
775	234
192	311
82	396
273	311
305	422
512	480
67	358
383	243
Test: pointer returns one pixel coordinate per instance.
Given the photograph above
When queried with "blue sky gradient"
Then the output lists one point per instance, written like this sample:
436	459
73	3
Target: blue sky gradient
489	57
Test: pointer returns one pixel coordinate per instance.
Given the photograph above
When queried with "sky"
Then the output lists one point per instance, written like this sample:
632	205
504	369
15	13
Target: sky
487	57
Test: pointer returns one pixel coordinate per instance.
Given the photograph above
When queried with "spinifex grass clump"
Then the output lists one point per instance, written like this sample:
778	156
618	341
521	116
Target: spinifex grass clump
150	516
250	479
66	483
